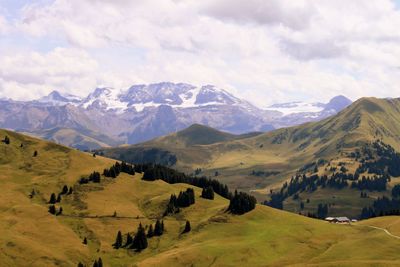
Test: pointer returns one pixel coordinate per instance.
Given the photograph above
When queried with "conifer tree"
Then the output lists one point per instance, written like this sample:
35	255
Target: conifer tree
158	228
6	140
70	190
150	232
53	199
35	154
162	227
118	240
80	264
64	190
58	198
85	241
100	263
187	228
140	240
52	209
129	240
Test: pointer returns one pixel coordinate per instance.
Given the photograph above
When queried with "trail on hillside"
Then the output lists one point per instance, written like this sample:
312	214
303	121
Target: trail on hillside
383	229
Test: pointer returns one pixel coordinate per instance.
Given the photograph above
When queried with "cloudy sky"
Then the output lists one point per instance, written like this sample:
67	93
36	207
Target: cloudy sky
266	51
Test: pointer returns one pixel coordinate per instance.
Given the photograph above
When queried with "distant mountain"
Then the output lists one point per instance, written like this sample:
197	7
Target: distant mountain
296	113
144	112
356	141
56	98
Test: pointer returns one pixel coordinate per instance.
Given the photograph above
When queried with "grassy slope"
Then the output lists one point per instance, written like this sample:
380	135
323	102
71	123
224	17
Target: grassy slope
29	235
284	150
85	139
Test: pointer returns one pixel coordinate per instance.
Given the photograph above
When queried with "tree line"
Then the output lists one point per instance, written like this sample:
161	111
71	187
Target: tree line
154	171
240	203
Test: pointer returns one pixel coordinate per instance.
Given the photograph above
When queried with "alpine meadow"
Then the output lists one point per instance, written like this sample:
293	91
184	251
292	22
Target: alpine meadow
199	133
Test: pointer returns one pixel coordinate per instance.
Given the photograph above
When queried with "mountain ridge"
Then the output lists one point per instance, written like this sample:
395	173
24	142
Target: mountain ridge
141	113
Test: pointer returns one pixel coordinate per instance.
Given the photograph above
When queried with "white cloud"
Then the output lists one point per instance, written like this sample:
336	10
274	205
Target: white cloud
266	51
3	25
30	74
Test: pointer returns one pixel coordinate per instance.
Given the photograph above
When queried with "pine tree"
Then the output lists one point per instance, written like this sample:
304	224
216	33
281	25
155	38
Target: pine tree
85	241
95	264
162	227
58	198
150	232
118	240
100	263
70	190
129	240
158	228
80	264
140	240
187	228
53	199
35	154
52	209
22	145
6	140
64	190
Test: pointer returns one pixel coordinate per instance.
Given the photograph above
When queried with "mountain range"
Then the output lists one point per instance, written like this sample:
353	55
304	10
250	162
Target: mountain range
109	117
366	131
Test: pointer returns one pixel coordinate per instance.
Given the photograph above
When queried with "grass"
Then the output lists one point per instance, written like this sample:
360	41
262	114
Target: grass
30	236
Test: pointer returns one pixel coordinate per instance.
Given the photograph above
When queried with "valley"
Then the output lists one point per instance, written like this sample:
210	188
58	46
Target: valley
32	236
263	162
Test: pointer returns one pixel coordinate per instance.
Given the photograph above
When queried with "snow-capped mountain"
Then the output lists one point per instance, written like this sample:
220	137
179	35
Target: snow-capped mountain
139	97
296	107
295	113
108	116
56	98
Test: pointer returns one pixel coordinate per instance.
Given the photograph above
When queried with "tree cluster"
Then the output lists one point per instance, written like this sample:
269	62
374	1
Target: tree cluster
139	241
387	162
376	183
117	168
381	207
183	200
53	210
154	172
207	193
93	177
241	203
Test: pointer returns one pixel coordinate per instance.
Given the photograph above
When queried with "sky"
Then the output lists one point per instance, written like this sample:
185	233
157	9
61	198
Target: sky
266	51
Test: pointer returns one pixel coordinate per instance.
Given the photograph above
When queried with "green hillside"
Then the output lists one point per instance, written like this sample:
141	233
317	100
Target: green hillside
31	236
81	139
263	162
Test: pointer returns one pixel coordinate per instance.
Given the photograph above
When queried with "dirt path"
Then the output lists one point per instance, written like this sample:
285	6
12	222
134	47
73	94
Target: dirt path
382	229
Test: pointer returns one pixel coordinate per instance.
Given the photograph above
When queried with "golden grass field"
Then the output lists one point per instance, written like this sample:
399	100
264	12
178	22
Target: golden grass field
30	236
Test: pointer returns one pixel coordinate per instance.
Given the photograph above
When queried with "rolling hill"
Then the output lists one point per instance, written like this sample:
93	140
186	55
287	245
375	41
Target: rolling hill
263	162
31	236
